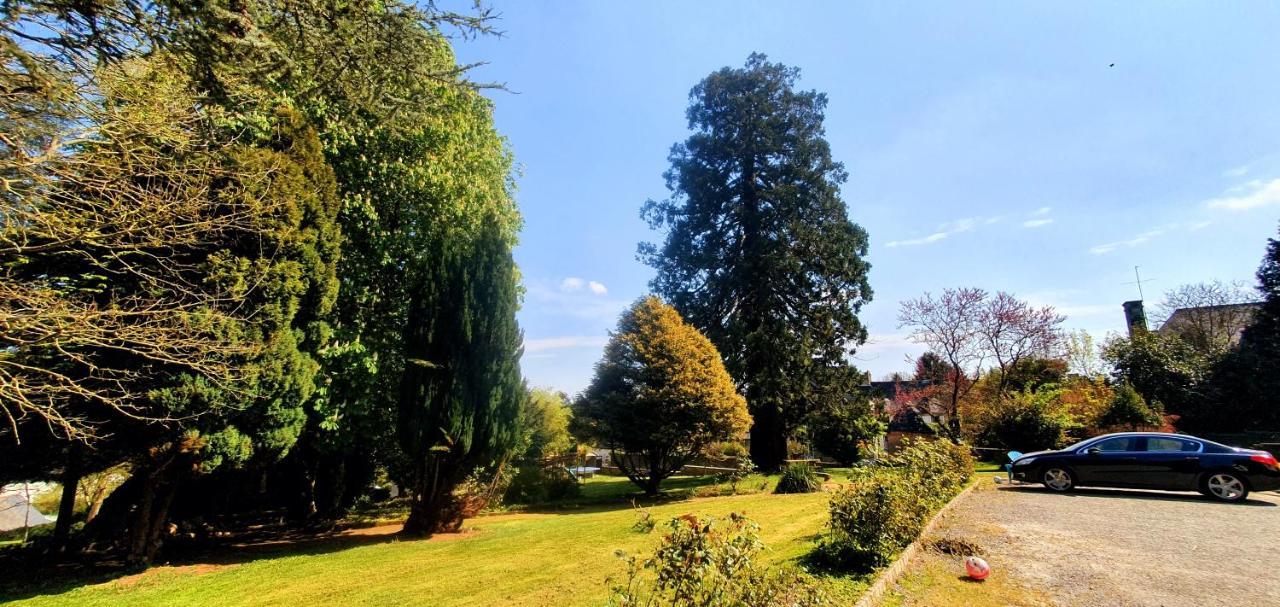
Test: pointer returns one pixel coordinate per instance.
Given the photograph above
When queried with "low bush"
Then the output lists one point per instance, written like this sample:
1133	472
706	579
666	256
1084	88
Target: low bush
799	478
710	563
534	484
886	507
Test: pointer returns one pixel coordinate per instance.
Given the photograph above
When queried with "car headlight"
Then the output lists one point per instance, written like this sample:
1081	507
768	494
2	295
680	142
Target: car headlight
1024	461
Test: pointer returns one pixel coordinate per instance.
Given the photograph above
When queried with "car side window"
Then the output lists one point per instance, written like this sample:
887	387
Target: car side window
1166	445
1114	444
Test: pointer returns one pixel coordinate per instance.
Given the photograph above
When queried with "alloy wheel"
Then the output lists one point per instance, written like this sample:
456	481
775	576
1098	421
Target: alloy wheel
1057	479
1226	487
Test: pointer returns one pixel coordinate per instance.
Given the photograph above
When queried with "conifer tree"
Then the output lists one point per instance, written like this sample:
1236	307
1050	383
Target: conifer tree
760	254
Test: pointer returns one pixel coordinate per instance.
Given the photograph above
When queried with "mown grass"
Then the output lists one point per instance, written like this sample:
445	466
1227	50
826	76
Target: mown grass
554	557
938	580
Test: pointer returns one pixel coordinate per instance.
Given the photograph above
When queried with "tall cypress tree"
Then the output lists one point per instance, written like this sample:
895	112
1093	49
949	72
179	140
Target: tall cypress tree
760	254
461	391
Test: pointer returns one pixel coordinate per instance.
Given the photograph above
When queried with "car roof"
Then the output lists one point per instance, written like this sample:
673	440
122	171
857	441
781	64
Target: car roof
1162	434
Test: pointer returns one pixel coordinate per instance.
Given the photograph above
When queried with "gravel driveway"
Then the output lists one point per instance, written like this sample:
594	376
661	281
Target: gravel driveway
1116	547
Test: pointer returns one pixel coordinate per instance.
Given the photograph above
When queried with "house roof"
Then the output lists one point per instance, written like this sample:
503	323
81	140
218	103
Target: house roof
1180	314
16	512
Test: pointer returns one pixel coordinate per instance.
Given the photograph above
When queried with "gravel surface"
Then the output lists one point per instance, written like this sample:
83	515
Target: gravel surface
1122	548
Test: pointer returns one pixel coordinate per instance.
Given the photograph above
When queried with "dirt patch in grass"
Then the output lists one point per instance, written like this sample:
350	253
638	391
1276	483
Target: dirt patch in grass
156	573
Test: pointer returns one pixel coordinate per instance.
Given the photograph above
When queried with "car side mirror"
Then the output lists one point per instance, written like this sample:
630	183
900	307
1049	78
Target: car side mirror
1092	451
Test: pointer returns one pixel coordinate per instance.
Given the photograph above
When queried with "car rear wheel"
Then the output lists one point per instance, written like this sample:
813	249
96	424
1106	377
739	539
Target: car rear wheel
1226	487
1058	479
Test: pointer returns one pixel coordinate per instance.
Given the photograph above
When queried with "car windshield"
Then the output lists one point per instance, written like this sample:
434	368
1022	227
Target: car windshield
1077	445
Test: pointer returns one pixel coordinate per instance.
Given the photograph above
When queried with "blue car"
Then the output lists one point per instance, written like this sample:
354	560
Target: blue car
1152	460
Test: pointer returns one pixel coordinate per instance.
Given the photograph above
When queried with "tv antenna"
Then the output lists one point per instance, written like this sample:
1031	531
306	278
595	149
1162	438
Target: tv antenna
1137	280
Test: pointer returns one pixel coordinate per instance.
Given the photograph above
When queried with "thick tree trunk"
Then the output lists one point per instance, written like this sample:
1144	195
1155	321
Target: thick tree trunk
71	475
434	508
768	438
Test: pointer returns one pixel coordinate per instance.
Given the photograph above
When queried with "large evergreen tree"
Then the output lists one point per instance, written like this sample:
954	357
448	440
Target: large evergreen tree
760	253
461	392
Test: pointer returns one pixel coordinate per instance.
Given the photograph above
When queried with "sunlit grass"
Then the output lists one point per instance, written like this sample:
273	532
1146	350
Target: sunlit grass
550	557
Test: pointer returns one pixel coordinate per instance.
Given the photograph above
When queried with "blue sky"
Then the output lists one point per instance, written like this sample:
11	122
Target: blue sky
988	144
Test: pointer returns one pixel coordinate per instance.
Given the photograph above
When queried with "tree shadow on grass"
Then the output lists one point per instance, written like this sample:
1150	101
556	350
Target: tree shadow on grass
27	572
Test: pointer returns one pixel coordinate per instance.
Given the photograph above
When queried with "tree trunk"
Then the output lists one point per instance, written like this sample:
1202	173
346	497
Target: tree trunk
768	439
434	508
67	505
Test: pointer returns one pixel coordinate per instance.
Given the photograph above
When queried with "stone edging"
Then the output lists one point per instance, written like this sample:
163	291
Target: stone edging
889	575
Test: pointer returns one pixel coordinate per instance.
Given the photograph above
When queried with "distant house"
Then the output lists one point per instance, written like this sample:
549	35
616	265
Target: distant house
1212	327
1228	320
16	512
909	406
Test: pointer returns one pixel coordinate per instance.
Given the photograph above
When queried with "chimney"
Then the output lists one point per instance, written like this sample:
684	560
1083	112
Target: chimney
1134	317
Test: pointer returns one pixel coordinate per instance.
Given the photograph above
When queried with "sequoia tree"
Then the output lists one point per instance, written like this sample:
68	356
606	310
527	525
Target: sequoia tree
660	395
760	254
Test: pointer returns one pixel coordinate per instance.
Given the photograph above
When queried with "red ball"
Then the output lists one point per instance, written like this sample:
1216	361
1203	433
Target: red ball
977	568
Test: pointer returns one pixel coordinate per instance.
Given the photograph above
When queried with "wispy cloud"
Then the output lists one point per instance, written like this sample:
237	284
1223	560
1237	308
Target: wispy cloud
1253	195
1236	172
1042	211
943	232
1036	223
546	344
597	288
1199	225
1142	238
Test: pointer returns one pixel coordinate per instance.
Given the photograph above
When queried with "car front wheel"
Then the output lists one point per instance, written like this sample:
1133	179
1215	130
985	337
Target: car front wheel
1226	487
1058	479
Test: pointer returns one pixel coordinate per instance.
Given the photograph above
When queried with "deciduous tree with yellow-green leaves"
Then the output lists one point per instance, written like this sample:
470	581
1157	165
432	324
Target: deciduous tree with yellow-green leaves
660	394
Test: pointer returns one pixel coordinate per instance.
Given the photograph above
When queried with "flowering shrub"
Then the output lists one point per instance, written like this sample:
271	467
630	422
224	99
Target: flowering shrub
710	563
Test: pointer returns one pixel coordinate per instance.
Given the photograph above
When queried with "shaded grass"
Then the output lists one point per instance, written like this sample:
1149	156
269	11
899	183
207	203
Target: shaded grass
545	558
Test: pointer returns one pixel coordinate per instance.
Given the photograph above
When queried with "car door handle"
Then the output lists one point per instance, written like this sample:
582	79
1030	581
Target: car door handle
1190	459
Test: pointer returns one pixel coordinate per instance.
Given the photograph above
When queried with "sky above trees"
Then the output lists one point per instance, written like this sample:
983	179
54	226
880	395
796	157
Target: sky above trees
992	146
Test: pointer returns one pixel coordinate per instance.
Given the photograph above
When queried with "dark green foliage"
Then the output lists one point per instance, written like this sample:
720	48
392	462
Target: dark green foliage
882	512
845	431
1162	368
799	477
760	253
1244	392
1031	373
1128	410
1026	421
534	484
711	562
461	392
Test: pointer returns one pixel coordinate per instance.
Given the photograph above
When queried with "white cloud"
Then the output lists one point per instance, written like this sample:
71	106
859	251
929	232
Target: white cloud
545	344
1132	242
1236	172
1042	211
597	288
1199	225
1253	195
542	297
945	230
571	284
1036	223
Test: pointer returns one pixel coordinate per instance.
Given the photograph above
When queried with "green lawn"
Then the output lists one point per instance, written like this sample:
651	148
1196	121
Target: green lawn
558	557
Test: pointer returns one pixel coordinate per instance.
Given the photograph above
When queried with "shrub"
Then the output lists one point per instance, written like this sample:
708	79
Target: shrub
798	478
846	431
887	507
1028	421
1129	410
534	484
710	563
